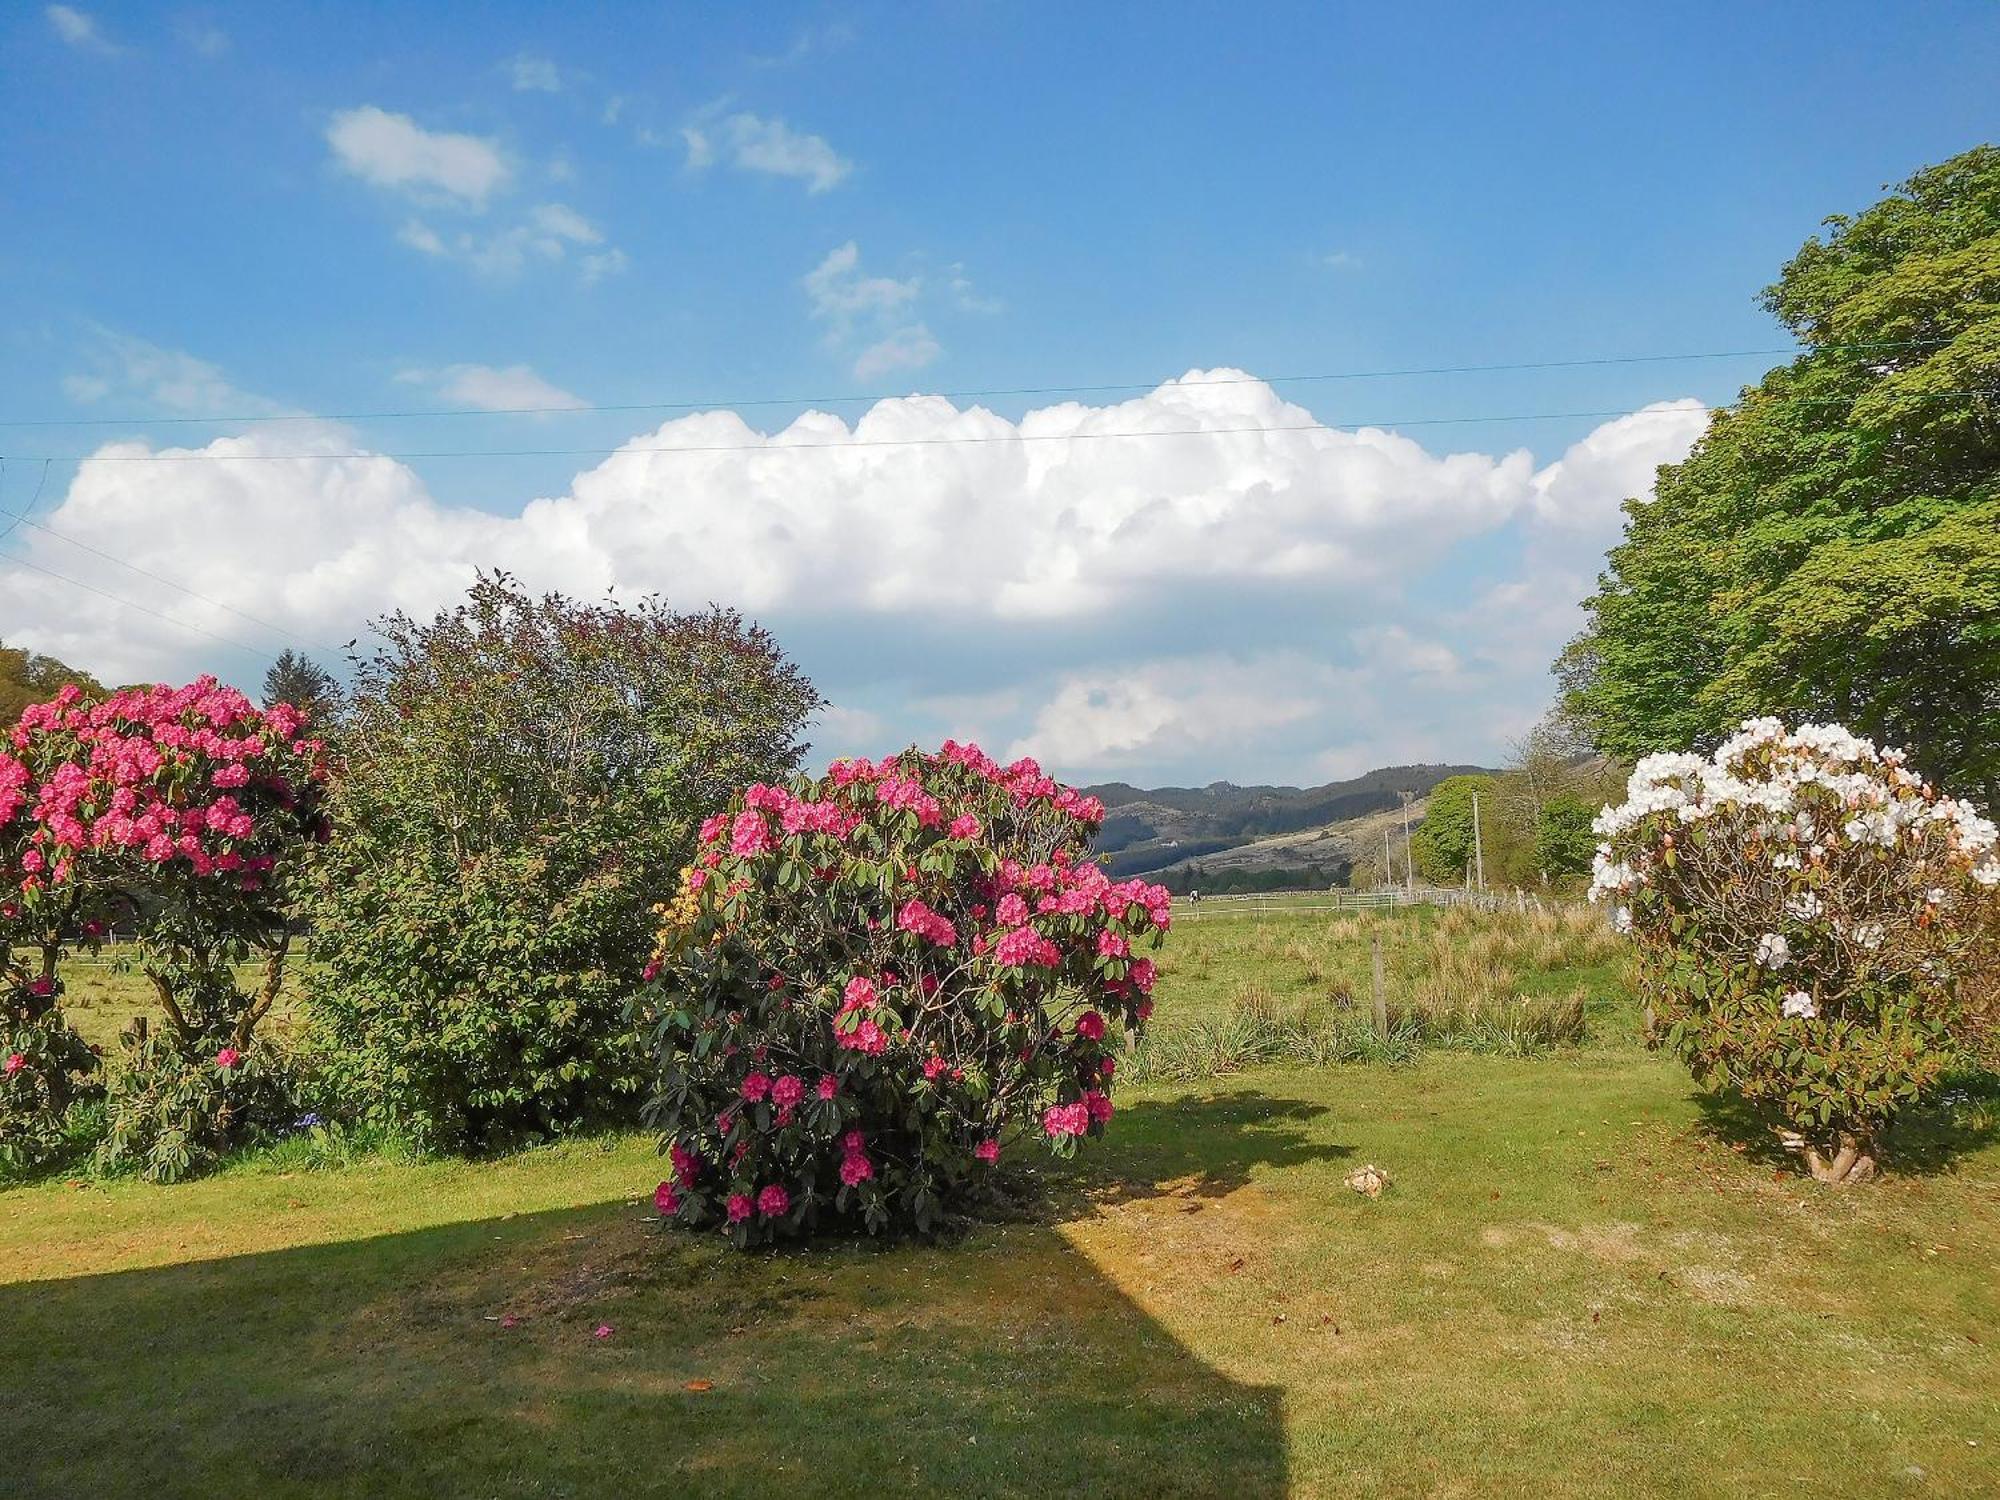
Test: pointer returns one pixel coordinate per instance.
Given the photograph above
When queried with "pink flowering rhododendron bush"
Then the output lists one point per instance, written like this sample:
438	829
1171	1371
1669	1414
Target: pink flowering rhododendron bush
873	981
180	814
1817	928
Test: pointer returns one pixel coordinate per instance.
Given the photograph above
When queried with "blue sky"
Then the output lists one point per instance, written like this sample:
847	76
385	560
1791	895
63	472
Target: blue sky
281	210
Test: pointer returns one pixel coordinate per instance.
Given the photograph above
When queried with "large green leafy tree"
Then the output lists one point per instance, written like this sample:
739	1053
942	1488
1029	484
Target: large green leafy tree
517	781
1831	548
1442	844
28	677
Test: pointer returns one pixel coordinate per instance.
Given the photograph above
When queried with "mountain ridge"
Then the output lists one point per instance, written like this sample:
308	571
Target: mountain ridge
1150	828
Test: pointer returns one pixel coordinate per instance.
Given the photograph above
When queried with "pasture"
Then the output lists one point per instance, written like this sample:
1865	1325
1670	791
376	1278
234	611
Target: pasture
1582	1280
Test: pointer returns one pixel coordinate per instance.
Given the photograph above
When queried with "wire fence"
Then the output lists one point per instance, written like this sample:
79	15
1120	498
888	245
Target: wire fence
1388	898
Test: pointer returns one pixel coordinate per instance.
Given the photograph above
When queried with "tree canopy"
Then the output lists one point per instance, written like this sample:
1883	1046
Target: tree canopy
520	779
29	677
1831	547
1442	843
297	679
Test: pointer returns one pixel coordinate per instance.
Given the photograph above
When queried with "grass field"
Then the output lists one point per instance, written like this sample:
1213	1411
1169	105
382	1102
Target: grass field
1580	1282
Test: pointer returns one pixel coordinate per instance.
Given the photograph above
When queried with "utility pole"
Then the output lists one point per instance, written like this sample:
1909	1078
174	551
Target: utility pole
1388	865
1409	870
1478	849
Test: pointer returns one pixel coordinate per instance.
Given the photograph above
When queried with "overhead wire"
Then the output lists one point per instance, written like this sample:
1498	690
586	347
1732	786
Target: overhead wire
779	444
569	408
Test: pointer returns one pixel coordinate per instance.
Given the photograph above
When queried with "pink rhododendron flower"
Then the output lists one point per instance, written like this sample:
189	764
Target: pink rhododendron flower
750	835
686	1164
15	1062
866	1037
739	1207
228	1058
1112	945
1066	1119
1090	1026
828	1086
666	1200
756	1086
966	826
773	1201
788	1091
1012	911
987	1151
1023	947
925	923
855	1169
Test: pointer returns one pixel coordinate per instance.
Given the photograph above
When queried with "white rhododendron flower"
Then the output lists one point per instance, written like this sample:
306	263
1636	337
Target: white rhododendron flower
1799	1006
1773	952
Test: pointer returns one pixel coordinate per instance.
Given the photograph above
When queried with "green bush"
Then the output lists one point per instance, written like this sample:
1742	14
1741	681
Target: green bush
175	1108
44	1068
517	779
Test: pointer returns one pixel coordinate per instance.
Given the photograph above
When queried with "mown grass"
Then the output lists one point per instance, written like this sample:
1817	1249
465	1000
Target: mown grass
102	994
1575	1285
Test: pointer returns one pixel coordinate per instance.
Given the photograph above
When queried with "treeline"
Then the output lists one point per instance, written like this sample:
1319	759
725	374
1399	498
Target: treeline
1533	818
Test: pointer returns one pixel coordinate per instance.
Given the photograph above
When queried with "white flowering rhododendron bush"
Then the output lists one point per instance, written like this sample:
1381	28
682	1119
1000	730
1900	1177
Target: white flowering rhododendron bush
872	981
1817	927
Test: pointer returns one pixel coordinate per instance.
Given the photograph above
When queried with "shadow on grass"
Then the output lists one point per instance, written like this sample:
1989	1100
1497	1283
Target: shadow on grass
462	1360
1922	1143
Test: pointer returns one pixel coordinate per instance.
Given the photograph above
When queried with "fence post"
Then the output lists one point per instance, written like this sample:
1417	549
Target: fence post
1381	1000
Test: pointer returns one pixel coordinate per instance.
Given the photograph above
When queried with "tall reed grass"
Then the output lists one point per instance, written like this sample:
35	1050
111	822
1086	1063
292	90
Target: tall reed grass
1470	981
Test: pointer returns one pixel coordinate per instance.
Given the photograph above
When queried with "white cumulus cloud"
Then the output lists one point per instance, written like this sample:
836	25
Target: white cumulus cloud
907	348
1164	711
534	74
393	151
1237	590
78	28
753	143
549	234
490	388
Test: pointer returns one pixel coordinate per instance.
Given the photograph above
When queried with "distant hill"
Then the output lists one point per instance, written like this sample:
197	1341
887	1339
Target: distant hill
1149	830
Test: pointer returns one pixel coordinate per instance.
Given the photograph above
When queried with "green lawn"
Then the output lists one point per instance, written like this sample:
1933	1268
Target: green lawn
1573	1287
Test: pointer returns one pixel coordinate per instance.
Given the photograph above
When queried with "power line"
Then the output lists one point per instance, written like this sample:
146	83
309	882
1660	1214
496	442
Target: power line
143	609
585	408
23	516
777	445
241	614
